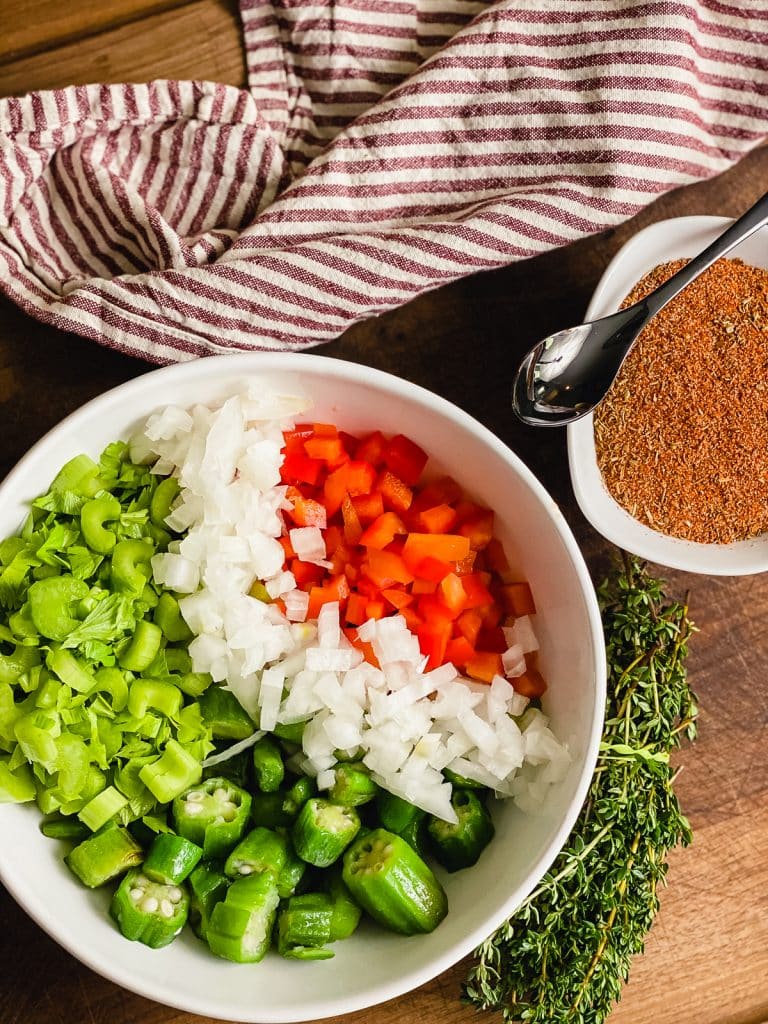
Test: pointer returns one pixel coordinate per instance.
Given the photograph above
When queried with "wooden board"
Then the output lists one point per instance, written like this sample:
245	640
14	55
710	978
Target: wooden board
707	957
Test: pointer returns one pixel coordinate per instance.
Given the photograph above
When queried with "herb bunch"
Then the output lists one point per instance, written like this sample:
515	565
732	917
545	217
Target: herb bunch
565	954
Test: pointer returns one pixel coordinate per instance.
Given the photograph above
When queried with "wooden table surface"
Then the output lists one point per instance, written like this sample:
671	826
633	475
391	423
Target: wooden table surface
706	960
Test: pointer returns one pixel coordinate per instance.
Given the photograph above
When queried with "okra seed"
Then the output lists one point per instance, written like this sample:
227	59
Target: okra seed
221	794
195	796
136	894
174	895
166	908
245	869
193	808
150	905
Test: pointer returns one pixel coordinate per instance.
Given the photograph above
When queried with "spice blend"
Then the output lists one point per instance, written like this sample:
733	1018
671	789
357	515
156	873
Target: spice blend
682	436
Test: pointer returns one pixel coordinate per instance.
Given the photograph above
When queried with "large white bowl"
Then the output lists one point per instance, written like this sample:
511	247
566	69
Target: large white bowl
678	238
373	965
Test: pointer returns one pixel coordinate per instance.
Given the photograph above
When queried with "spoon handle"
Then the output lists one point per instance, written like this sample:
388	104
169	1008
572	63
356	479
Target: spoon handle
755	217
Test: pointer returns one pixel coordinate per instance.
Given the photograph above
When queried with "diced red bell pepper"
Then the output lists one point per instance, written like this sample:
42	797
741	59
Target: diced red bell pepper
484	666
299	468
438	519
294	439
478	526
491	638
432	606
443	491
355	613
469	624
447	547
432	569
496	560
305	511
336	589
477	593
329	449
433	635
365	648
307	572
375	609
530	684
459	651
325	430
517	599
405	458
451	593
420	586
397	597
352	527
285	541
382	531
396	493
412	618
371	449
352	478
385	568
368	506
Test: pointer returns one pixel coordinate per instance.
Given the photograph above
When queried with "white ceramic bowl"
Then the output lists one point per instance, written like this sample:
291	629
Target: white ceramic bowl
666	240
373	965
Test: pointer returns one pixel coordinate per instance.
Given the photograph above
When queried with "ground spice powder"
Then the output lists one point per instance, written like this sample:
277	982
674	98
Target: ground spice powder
682	436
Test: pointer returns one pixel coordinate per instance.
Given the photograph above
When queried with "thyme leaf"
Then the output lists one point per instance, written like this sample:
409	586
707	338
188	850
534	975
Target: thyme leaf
566	953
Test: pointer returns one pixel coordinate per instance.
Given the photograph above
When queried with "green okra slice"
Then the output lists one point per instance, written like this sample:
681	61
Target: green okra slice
207	887
149	911
224	715
292	872
304	927
393	884
323	830
214	815
346	913
352	785
240	926
260	850
268	767
297	795
171	858
459	845
104	856
395	813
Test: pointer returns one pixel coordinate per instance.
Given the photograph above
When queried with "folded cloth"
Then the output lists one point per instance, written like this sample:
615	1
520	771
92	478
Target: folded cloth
382	148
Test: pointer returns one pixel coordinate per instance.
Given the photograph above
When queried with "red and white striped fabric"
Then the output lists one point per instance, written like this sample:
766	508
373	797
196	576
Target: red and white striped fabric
383	148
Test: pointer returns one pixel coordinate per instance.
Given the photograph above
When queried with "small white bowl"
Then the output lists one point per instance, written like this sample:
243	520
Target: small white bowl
678	238
373	965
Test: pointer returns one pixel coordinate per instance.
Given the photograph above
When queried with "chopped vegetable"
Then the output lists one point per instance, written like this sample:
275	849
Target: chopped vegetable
149	911
393	884
171	859
240	926
213	815
459	845
323	831
104	856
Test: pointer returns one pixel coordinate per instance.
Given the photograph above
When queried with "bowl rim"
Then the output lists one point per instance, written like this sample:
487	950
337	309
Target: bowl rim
313	364
598	506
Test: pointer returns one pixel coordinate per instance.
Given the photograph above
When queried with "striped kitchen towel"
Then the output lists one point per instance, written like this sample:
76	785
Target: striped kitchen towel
382	148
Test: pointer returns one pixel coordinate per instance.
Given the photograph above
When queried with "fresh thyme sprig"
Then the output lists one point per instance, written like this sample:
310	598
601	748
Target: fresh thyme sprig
564	956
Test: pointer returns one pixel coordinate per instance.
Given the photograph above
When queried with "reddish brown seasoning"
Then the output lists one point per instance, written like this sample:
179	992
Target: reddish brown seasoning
682	436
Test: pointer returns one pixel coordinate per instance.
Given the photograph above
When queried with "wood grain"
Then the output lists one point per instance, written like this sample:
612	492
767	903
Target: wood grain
199	40
707	956
30	26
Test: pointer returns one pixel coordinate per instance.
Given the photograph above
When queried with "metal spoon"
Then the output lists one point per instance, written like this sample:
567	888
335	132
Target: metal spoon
567	374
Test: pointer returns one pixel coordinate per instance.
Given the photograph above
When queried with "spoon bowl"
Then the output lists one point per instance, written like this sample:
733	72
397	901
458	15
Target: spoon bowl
566	375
